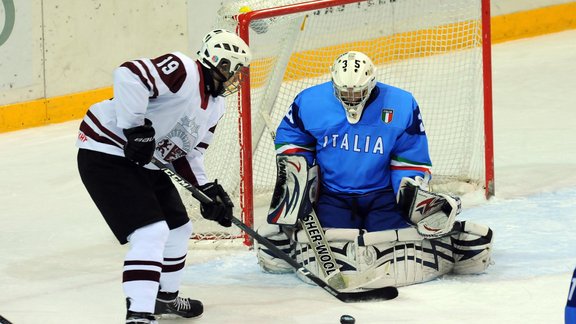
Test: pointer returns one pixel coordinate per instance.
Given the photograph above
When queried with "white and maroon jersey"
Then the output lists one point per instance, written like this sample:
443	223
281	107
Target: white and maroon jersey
169	91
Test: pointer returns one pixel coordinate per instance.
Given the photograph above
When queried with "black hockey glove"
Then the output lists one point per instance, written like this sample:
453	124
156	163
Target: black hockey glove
220	210
140	143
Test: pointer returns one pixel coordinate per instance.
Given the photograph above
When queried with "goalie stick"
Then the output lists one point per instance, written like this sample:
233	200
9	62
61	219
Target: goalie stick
324	255
384	293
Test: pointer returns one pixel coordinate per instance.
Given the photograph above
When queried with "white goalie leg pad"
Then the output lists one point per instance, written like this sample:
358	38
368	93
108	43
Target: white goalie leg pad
266	259
472	249
407	260
380	259
341	243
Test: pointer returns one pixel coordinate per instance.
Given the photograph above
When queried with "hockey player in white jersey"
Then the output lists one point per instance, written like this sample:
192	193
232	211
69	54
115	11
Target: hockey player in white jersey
351	193
167	108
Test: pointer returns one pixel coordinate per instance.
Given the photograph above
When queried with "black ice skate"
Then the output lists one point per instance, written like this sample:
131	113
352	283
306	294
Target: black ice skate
170	303
140	318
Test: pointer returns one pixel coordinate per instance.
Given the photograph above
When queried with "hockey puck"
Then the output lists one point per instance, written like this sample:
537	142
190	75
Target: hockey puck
347	319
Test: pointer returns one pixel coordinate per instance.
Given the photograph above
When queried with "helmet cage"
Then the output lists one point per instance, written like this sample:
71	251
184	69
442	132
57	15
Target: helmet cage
353	79
232	85
353	100
229	81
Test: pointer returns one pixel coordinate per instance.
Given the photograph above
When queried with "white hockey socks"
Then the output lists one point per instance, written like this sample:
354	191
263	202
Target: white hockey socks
143	265
175	252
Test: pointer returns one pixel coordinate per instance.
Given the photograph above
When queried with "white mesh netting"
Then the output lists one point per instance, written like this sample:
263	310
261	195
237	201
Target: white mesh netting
430	48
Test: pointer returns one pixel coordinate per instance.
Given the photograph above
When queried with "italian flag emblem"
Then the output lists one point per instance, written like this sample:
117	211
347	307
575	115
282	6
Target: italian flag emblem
387	115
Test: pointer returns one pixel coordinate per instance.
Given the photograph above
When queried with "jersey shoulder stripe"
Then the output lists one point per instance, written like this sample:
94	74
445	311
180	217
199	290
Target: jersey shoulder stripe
284	148
399	163
137	72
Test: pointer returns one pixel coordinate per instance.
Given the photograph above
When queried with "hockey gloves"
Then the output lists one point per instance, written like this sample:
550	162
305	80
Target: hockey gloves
140	143
220	209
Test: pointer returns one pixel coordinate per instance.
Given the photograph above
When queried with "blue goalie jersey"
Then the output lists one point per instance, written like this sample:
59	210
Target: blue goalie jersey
388	143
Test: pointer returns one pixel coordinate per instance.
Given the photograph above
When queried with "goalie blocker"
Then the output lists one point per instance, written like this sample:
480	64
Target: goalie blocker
294	196
295	190
369	260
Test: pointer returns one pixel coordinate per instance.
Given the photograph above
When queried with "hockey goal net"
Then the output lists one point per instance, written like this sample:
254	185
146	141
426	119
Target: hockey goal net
438	50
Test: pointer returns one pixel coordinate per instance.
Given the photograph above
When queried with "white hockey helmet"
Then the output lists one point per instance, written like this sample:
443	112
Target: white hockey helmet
225	54
353	78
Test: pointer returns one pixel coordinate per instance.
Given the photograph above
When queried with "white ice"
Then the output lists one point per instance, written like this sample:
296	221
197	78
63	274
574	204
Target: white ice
60	264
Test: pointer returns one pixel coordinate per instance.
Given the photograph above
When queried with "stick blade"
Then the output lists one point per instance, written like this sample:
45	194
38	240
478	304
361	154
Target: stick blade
385	293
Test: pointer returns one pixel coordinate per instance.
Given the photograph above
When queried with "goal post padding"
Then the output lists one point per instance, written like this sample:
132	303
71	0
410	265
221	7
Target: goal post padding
433	49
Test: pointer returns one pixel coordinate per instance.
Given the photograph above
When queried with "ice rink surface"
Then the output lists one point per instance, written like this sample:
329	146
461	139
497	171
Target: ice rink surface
60	264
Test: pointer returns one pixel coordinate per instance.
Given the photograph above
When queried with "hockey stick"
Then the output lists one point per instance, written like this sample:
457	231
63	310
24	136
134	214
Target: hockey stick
385	293
196	193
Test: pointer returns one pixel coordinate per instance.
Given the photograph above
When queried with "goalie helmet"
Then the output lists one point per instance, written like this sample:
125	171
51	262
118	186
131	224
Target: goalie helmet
353	78
225	54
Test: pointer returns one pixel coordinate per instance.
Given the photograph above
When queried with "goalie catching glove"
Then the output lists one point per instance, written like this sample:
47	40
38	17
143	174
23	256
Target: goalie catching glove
220	209
433	214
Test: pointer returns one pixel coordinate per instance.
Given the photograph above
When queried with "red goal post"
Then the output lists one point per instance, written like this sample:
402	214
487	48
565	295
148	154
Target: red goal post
438	50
